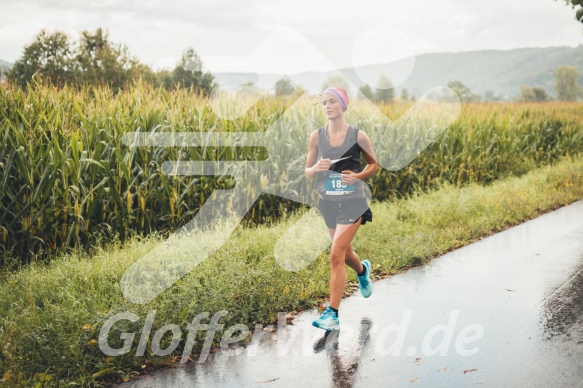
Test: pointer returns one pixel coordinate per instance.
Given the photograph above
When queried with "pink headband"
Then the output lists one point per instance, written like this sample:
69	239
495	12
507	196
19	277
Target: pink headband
339	94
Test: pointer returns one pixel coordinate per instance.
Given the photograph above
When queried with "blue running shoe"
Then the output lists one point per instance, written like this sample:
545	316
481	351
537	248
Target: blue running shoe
366	285
328	320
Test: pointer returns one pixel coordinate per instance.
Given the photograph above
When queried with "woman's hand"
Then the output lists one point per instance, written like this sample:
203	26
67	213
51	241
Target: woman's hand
321	165
349	177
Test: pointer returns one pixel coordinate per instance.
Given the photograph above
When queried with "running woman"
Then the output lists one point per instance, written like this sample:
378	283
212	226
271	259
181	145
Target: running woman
334	159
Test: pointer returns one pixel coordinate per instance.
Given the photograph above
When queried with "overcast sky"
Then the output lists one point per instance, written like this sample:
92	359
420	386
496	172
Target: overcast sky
157	32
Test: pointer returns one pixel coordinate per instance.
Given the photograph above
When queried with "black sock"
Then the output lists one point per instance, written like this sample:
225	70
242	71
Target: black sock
335	310
363	271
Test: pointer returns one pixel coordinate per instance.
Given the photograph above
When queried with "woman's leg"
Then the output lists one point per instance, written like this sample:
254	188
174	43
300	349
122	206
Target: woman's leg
341	241
351	258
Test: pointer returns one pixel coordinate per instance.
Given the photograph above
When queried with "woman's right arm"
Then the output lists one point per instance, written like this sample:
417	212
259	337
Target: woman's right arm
314	166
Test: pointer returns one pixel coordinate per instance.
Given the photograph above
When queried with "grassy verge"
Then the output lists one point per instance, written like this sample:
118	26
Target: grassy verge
52	314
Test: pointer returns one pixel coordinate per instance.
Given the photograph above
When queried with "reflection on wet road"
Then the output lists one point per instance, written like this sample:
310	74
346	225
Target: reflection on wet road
344	367
505	311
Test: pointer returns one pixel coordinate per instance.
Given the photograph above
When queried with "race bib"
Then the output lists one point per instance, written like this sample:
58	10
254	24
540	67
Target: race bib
334	184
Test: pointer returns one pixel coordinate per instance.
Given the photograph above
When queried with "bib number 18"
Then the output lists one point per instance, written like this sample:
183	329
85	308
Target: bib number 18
334	185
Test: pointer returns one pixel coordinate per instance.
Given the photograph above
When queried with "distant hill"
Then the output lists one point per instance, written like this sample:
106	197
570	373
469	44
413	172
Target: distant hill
5	66
496	72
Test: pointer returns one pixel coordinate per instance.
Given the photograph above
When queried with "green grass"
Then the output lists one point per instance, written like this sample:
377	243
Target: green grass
52	313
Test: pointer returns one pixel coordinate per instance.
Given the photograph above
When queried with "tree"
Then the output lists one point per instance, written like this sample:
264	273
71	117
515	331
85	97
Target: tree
527	94
540	94
103	62
164	79
366	93
463	91
144	72
97	60
385	92
188	73
339	81
405	94
94	60
251	89
49	55
579	5
567	86
284	87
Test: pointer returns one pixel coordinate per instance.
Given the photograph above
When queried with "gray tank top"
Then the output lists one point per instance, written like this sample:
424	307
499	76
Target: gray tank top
326	181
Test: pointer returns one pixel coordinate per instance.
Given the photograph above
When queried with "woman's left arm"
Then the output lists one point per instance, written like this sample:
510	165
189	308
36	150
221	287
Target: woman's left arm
372	165
371	159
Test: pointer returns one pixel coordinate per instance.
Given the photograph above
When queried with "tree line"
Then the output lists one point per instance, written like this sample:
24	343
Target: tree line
95	59
566	86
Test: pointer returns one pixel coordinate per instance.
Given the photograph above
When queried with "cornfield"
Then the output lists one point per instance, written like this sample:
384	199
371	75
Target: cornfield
67	178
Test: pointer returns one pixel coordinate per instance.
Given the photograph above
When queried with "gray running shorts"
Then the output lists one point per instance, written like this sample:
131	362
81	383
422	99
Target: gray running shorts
346	211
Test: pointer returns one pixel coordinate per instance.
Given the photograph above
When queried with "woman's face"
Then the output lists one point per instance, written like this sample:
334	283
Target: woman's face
331	106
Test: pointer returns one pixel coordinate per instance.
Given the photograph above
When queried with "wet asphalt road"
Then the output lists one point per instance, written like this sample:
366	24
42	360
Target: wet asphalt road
506	311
